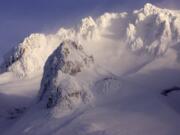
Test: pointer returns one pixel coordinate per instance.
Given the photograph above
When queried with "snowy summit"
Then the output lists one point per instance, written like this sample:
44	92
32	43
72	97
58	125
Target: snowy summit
105	76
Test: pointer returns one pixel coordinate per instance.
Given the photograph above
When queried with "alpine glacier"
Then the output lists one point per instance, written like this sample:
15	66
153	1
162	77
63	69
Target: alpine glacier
104	76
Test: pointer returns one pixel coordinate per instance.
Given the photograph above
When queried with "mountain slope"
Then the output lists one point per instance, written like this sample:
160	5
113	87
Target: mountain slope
59	85
115	91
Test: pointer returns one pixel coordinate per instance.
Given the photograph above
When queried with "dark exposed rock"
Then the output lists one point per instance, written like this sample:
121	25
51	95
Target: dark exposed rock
168	91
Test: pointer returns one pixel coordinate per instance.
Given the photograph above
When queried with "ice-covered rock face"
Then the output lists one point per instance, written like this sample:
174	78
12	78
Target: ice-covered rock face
59	85
149	30
155	29
28	57
87	29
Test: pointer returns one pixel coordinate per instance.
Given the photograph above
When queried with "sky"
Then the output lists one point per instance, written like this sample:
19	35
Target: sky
19	18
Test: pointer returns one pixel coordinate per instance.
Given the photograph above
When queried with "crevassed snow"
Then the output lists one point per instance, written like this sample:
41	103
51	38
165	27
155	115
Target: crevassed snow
135	56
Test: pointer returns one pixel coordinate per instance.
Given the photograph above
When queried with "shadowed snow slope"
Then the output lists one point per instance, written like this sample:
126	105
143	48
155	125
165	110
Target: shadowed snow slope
116	91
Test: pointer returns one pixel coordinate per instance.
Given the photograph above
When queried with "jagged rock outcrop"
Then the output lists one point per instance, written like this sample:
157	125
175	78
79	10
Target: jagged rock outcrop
59	86
153	30
150	30
166	92
87	29
29	57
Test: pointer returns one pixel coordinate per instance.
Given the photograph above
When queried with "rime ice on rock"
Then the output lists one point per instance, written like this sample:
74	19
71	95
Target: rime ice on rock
59	86
28	57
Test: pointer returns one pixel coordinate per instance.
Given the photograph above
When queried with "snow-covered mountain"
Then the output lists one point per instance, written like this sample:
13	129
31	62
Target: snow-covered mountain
102	77
149	29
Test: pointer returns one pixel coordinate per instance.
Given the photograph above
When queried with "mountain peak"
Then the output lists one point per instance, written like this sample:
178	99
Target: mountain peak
87	28
27	57
149	6
59	85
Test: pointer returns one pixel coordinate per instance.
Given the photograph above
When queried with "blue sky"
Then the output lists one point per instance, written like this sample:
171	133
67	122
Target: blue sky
19	18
